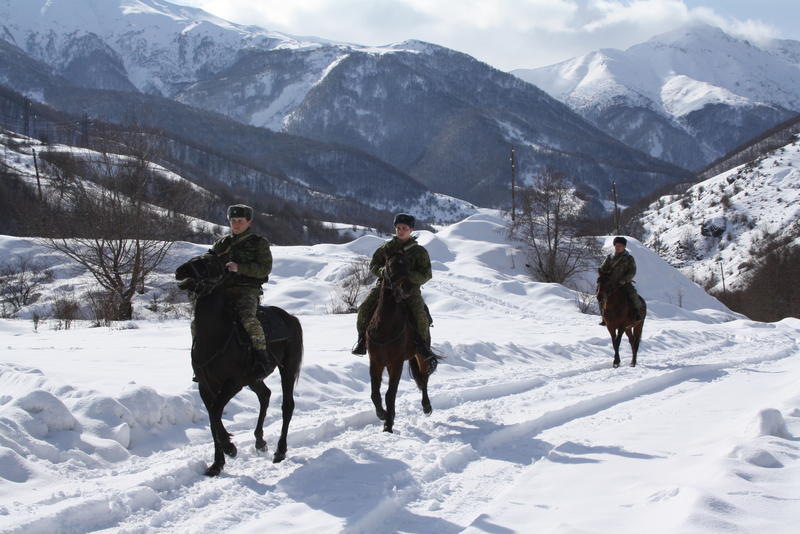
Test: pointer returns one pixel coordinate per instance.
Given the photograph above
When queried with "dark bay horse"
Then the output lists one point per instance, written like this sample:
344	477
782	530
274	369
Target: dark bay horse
619	315
222	357
391	340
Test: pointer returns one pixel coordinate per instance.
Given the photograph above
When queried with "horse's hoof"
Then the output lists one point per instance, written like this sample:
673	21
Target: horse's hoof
213	471
381	415
427	409
278	457
616	365
388	429
633	364
261	445
230	450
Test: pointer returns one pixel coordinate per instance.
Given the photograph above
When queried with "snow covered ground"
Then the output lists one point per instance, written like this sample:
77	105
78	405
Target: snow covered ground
101	429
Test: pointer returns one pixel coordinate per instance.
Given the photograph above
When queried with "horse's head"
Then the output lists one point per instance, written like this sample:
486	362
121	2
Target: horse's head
200	274
395	276
200	267
604	286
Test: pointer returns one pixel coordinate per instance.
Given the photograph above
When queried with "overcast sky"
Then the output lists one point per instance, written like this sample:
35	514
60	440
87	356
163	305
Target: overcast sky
509	34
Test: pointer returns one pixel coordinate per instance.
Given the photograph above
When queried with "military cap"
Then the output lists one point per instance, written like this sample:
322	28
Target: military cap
240	210
404	218
620	239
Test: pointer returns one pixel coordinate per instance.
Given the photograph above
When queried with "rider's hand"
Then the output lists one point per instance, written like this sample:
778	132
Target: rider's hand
232	267
622	282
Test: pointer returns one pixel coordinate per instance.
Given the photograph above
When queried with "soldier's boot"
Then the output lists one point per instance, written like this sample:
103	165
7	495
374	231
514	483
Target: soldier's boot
360	347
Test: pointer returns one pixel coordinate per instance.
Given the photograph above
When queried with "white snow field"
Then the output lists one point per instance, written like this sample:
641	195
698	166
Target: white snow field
101	429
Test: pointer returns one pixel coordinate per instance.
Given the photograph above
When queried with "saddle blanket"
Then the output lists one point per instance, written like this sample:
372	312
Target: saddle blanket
274	327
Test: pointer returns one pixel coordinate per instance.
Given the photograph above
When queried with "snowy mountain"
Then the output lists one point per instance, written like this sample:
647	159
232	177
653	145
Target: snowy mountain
439	116
723	226
530	428
685	96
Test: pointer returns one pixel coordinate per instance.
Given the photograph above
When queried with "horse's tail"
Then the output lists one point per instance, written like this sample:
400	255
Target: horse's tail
295	345
416	372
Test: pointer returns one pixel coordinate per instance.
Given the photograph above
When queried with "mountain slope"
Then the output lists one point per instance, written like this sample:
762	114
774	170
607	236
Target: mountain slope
437	115
686	96
724	226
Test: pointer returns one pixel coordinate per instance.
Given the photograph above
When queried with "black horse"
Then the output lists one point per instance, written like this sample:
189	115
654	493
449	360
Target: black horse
223	360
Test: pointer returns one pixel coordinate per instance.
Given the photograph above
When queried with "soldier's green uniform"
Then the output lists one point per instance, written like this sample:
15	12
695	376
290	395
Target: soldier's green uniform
243	288
419	271
622	267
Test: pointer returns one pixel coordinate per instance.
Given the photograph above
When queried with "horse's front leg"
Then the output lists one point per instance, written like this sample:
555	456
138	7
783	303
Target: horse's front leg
376	376
395	372
209	400
616	338
263	393
635	337
222	438
287	409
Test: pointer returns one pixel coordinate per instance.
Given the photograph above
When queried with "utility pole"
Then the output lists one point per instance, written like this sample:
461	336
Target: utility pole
26	117
85	130
513	186
36	167
616	209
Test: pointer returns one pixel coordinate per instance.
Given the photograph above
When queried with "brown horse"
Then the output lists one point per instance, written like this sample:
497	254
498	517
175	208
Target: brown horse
619	315
391	340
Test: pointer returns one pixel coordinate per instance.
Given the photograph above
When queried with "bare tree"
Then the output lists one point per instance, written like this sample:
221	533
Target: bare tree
547	222
104	222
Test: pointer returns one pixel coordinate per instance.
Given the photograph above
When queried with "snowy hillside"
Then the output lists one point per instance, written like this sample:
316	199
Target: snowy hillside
101	429
724	224
439	118
673	81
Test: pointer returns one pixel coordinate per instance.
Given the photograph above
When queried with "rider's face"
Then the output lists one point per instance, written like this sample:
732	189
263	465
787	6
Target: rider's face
618	248
403	231
239	224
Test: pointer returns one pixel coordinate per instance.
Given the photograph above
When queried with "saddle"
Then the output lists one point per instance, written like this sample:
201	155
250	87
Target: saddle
275	330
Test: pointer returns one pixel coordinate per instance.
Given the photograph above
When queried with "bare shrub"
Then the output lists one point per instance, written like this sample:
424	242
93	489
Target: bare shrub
66	309
353	288
101	307
20	281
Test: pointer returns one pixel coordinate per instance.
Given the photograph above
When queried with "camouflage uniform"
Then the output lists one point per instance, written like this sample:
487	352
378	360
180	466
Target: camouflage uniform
419	272
251	254
622	267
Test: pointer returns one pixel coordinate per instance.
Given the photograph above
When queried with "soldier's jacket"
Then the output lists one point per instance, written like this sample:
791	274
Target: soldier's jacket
416	259
252	255
619	267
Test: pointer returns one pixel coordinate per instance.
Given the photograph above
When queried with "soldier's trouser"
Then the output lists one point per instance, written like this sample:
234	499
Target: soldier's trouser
245	305
414	303
366	310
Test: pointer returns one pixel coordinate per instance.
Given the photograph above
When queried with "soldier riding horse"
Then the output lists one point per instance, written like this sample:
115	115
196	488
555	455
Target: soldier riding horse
391	339
223	358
